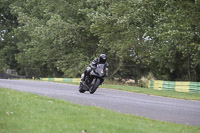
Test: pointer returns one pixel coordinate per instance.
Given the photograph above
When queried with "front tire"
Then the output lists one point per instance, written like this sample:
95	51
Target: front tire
96	85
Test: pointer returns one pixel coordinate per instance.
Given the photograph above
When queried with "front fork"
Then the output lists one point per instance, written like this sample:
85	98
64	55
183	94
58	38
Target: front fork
94	80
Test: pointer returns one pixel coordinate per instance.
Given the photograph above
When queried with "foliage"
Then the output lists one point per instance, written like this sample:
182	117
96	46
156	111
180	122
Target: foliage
7	42
60	38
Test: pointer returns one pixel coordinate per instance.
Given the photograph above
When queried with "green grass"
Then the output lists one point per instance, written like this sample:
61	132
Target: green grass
22	112
164	93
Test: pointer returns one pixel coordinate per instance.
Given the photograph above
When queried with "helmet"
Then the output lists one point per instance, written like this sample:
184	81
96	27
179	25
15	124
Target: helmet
102	59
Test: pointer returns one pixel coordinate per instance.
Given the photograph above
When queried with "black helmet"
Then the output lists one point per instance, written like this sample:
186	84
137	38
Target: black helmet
102	59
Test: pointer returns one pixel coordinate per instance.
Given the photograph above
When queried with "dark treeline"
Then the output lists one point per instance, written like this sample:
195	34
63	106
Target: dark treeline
48	38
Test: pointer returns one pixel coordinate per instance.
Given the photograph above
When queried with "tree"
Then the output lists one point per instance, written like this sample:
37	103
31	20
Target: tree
174	37
7	41
60	38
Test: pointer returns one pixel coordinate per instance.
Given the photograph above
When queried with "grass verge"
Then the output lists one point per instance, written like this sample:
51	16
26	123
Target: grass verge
22	112
163	93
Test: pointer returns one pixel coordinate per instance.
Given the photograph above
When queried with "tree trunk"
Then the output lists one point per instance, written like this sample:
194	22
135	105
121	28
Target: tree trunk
117	69
189	75
197	2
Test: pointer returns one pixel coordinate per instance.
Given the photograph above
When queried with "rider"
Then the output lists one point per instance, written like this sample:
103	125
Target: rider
101	60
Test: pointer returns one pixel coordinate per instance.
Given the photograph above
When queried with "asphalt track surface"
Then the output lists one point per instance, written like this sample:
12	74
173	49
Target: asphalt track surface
154	107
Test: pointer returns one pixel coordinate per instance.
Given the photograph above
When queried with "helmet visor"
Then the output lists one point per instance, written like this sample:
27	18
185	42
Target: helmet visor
102	60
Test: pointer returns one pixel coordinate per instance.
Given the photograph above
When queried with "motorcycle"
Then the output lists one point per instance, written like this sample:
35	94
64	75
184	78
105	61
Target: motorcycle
95	78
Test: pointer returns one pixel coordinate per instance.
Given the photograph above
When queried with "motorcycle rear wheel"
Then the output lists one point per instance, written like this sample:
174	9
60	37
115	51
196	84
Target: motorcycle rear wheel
96	85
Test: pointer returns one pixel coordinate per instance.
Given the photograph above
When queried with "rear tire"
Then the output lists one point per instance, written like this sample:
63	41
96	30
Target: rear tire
81	88
96	85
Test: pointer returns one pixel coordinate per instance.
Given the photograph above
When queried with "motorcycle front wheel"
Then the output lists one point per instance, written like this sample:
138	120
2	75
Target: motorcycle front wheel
94	88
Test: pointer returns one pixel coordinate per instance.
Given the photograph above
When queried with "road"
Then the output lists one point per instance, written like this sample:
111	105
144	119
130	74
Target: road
154	107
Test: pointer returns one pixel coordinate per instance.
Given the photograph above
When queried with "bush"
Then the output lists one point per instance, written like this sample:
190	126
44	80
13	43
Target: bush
144	81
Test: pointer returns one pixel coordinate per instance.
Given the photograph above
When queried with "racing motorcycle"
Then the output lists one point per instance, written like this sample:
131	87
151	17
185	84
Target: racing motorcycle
95	78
